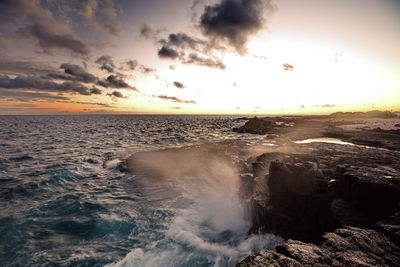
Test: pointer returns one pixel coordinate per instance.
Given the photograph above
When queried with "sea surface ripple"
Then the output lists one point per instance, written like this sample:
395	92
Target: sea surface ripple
60	207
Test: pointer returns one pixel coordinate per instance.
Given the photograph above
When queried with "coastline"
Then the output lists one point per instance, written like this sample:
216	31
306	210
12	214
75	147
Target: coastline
335	203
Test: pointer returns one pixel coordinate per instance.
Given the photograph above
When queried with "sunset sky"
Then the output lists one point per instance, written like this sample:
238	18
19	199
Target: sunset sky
199	57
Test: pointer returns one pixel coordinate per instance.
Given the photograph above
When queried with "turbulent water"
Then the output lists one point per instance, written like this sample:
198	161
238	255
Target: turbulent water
60	207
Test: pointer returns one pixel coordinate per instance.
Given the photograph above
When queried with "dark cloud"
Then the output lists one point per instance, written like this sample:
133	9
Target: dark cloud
134	65
44	29
145	70
95	91
85	103
78	72
288	67
102	14
179	85
175	99
26	96
15	67
234	21
41	84
116	94
106	63
113	81
4	41
182	40
149	32
168	53
189	50
203	61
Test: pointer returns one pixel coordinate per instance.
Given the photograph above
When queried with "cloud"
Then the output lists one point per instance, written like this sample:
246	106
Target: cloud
4	41
179	85
44	29
95	91
79	73
102	14
86	103
134	65
288	67
26	96
15	67
189	50
326	106
174	99
202	61
114	81
167	53
193	58
41	84
117	94
149	32
106	63
175	108
234	21
182	40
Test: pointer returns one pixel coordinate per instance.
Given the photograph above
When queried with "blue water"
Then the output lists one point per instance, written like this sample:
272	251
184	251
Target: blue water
60	207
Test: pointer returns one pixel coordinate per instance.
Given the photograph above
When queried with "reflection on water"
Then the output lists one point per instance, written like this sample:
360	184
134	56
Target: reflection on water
323	140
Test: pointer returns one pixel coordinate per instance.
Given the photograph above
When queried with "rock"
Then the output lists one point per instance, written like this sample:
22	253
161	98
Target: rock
305	253
348	215
366	188
256	126
268	258
348	246
299	203
391	227
301	196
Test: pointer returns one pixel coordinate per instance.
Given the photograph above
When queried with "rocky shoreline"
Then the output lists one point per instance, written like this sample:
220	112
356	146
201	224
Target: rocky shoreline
335	204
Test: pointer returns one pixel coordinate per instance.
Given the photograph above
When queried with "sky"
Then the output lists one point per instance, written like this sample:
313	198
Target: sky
199	56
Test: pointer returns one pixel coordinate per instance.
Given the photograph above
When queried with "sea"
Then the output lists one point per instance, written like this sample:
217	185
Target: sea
65	202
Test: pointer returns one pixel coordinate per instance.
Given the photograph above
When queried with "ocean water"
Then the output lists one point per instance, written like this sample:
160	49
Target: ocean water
60	207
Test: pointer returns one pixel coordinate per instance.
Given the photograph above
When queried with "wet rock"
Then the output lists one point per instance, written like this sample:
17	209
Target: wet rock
268	258
348	246
256	126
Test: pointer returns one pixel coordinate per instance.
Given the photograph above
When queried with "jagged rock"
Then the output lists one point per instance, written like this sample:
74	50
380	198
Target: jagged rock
268	258
256	126
305	253
347	246
391	227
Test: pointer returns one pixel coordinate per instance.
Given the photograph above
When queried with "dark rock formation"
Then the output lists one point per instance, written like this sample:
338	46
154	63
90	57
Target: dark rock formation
298	203
348	246
256	126
368	114
318	188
